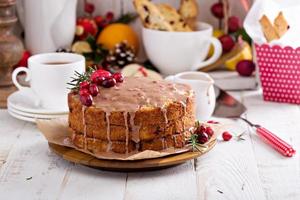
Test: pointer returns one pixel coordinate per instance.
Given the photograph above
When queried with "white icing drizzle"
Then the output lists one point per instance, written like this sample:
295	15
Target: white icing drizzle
164	111
84	127
127	130
135	130
137	146
163	142
184	112
175	141
166	144
107	114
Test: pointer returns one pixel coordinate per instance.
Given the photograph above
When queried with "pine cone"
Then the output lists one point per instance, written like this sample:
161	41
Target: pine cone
122	55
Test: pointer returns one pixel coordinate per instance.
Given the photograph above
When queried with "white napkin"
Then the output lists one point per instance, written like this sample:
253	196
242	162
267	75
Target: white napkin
271	8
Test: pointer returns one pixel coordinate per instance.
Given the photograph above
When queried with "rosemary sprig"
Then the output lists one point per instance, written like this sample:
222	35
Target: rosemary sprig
98	53
193	143
126	18
78	78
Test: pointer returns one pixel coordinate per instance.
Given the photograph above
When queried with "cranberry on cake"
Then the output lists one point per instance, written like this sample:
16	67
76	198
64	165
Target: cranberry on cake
112	113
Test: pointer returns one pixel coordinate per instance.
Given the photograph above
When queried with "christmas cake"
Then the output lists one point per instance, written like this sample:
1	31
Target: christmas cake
130	114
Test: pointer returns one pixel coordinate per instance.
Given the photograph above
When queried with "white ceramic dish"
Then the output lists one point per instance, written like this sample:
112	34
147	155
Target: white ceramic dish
24	101
33	115
20	117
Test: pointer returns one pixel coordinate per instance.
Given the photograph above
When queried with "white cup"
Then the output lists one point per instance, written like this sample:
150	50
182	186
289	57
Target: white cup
48	75
174	52
203	85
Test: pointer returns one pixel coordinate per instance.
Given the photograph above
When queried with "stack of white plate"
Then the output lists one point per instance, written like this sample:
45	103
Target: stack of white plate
21	105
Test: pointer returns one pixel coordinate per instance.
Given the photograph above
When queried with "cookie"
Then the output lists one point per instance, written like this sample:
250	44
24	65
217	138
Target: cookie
281	25
172	16
151	16
268	29
189	11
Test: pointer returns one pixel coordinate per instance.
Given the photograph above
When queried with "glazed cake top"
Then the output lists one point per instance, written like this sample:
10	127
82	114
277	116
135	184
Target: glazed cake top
140	92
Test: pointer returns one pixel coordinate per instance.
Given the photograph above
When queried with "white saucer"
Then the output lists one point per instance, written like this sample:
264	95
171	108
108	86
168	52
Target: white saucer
24	101
33	115
20	117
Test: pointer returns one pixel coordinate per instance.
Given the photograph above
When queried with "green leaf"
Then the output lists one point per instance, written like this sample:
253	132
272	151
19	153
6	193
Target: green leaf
242	32
126	18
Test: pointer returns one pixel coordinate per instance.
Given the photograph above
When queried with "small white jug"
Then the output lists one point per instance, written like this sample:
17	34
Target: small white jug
48	24
203	85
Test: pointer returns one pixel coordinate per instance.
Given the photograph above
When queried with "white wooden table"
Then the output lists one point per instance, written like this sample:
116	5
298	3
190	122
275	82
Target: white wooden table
232	170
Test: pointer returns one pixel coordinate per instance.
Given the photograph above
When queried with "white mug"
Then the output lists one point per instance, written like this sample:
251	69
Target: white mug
174	52
48	75
203	85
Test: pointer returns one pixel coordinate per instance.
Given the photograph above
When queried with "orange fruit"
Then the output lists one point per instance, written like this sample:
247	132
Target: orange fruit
116	33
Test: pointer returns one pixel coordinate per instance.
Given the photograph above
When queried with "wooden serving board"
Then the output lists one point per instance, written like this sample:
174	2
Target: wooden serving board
78	157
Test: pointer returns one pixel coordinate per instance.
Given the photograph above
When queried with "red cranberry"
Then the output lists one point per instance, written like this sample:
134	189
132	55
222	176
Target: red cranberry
212	122
84	85
227	43
202	138
109	82
118	77
86	99
93	90
83	92
103	73
200	129
89	8
226	136
234	24
245	67
217	10
209	131
95	78
109	16
99	20
99	76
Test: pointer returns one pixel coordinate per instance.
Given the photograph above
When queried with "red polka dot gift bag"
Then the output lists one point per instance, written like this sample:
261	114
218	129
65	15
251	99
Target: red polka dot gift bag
275	31
279	71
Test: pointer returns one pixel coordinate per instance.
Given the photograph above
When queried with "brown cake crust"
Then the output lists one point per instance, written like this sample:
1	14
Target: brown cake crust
146	132
144	116
96	145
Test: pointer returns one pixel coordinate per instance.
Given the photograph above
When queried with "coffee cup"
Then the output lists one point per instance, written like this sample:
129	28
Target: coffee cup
203	86
48	75
174	52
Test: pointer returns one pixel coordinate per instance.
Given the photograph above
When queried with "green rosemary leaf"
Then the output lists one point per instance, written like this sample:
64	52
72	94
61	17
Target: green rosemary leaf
126	18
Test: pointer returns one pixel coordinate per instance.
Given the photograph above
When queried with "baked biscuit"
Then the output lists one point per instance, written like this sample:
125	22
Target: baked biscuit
281	25
267	27
173	17
151	16
189	11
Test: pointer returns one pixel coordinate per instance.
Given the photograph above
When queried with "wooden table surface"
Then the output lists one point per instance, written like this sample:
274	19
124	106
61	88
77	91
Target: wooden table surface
232	170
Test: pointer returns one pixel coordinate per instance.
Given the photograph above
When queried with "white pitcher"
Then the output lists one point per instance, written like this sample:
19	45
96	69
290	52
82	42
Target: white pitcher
48	24
203	85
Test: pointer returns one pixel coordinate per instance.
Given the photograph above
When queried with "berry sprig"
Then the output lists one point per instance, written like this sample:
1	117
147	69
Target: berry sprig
79	78
228	136
200	136
86	84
